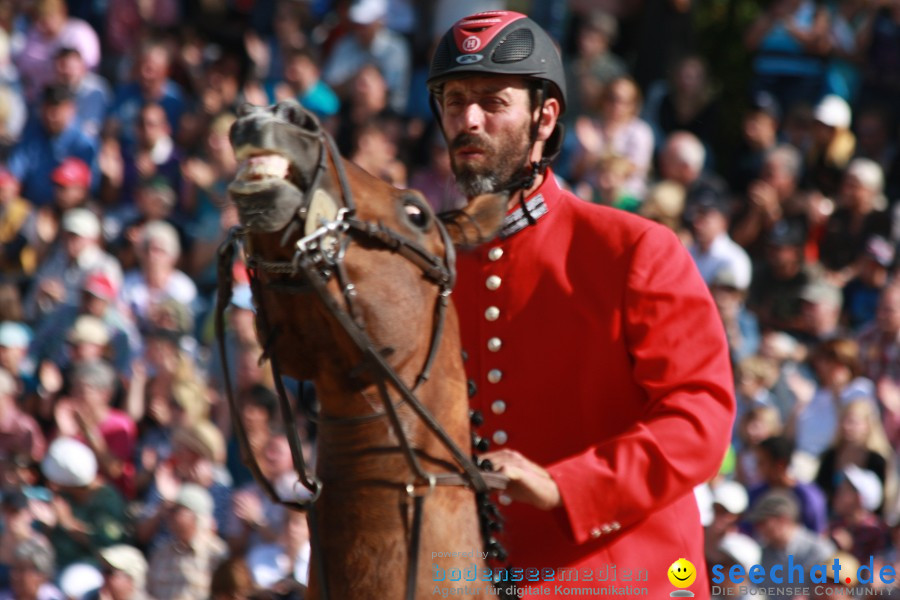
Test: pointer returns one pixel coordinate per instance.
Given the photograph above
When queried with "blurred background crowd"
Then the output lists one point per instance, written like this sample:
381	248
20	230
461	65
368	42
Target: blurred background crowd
764	134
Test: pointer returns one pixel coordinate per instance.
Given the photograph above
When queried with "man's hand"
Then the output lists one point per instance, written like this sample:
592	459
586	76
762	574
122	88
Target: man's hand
528	482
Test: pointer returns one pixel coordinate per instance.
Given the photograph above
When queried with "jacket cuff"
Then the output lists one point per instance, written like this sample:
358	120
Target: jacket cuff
586	513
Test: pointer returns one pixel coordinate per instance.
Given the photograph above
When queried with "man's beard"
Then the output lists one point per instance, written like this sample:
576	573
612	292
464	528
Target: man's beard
503	162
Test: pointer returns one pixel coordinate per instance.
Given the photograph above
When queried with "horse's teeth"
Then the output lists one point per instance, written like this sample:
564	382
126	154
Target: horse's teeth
264	166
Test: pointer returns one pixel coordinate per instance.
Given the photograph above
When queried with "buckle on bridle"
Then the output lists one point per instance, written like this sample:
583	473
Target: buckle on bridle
338	225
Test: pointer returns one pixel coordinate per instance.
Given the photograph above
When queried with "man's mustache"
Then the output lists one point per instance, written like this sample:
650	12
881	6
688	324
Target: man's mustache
469	140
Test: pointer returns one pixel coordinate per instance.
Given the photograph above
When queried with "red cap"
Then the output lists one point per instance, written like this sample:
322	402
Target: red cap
98	284
72	171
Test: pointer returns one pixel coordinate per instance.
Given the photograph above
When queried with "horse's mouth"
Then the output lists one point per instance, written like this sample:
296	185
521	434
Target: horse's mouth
263	189
261	165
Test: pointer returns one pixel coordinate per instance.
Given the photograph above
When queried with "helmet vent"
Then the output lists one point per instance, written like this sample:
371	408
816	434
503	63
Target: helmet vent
441	60
517	46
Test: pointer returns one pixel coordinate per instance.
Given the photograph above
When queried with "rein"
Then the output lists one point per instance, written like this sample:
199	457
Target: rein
318	257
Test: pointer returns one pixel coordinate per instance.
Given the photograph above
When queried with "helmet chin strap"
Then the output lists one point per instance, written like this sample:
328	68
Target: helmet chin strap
531	169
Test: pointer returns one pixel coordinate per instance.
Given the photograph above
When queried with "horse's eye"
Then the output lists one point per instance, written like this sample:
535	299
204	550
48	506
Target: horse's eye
417	214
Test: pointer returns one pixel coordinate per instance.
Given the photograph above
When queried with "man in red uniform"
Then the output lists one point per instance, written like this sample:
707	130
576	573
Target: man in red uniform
594	347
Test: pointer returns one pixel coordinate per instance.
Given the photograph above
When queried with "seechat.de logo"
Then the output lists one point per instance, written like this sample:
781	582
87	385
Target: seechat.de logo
682	574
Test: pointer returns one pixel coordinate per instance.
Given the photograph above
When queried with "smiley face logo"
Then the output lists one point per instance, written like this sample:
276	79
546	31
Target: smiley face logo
682	573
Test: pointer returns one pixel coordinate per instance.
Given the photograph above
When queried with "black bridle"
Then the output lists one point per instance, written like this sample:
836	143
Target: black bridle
317	257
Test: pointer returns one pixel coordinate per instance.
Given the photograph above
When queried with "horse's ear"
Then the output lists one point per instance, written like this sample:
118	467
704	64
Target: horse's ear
479	221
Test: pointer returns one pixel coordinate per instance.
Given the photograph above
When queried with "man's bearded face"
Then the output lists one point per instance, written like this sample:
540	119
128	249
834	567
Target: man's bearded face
489	164
487	121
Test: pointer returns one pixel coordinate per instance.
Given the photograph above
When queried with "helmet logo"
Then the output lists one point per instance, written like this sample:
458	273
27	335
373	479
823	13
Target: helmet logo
468	59
471	43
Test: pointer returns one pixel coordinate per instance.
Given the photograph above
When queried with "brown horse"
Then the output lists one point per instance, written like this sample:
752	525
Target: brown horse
351	279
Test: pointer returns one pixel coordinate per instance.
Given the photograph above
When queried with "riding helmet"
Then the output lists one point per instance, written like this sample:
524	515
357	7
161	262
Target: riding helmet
498	43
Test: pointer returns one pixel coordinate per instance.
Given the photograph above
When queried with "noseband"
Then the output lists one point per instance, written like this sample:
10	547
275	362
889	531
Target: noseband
318	257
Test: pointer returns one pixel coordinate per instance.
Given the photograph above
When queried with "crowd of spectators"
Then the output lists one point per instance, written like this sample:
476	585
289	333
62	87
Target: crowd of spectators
119	474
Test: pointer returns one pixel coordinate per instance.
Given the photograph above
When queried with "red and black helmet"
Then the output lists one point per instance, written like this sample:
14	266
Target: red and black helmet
498	43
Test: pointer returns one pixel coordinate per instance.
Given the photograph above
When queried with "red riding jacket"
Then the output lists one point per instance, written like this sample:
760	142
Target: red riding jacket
597	352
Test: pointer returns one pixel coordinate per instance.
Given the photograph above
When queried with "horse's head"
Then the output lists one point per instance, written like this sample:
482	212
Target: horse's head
383	253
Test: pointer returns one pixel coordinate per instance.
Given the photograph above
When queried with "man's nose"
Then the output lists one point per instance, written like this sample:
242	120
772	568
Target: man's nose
473	117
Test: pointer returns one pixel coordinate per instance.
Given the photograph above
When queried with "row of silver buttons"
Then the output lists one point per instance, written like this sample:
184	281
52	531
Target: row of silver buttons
498	407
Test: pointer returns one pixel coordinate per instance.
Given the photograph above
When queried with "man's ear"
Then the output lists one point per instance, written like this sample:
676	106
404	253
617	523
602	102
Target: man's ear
549	115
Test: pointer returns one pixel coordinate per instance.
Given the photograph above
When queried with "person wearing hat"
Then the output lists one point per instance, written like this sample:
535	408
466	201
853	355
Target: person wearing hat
182	567
77	253
369	41
741	325
41	148
31	572
609	479
198	455
833	145
98	299
16	213
775	519
713	249
861	214
72	183
124	570
88	338
856	527
820	312
85	514
15	339
725	544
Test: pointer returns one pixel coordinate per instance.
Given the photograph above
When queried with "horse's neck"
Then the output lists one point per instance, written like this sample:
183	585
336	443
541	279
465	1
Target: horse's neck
365	515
